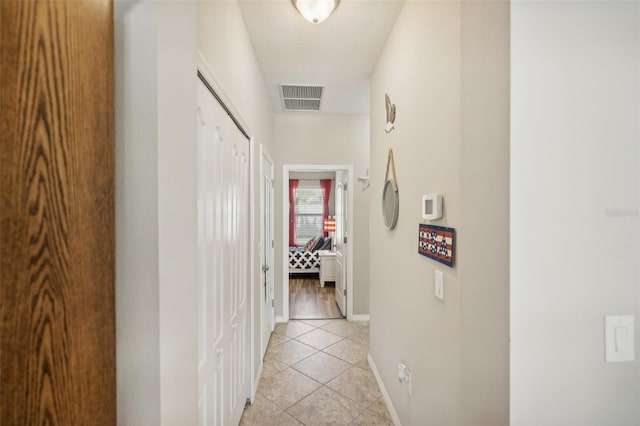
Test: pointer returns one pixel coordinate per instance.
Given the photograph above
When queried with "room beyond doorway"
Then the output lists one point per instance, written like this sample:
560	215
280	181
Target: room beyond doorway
308	300
343	251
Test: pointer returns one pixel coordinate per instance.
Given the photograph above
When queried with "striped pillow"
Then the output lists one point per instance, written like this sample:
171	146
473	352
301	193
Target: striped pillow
310	243
319	242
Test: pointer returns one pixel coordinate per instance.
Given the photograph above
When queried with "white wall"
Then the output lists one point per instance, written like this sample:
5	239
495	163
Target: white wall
156	293
225	45
312	175
177	214
420	70
483	254
155	213
327	139
446	68
574	209
137	309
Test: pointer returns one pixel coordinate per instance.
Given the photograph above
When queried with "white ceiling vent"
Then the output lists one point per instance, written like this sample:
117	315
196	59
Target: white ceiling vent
300	98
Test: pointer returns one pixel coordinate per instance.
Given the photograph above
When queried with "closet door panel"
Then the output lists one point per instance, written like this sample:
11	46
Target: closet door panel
240	265
223	262
213	358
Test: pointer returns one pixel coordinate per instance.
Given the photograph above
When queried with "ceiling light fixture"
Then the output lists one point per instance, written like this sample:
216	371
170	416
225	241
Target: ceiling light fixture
315	11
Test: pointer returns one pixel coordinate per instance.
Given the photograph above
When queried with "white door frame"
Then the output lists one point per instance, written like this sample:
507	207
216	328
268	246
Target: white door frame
265	154
286	170
205	69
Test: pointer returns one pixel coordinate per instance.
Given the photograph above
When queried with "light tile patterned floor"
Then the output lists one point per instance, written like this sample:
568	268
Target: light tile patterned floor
316	373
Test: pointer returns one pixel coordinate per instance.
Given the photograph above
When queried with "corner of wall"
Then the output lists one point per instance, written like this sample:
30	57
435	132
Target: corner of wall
136	211
177	239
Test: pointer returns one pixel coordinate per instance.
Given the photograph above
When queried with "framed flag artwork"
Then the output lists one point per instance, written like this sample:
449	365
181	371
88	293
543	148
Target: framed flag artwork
437	243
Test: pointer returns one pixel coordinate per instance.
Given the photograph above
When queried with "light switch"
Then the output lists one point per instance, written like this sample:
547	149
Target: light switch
439	285
619	338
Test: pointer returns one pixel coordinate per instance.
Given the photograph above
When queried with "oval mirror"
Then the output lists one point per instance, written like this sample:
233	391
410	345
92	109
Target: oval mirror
390	204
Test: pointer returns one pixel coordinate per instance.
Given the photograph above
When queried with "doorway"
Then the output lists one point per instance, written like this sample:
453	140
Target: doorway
329	277
267	245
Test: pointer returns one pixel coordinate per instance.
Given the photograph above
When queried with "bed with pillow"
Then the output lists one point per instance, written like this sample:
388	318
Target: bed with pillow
305	260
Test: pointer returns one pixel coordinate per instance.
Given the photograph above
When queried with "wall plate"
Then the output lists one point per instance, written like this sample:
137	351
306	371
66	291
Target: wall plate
619	338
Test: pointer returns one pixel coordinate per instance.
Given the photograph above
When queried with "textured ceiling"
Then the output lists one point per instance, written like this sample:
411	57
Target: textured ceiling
339	54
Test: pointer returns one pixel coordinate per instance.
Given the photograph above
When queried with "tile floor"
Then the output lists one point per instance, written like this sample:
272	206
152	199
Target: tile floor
316	373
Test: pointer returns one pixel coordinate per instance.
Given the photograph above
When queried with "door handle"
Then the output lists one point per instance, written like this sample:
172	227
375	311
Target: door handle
265	268
219	351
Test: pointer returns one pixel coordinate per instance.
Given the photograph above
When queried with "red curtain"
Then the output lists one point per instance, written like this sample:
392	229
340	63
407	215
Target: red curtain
325	185
293	185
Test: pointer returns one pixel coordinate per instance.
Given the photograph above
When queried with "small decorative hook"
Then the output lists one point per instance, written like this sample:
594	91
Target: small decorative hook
391	114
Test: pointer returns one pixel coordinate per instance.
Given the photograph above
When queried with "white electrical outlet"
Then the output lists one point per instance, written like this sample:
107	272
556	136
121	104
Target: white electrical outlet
404	376
439	285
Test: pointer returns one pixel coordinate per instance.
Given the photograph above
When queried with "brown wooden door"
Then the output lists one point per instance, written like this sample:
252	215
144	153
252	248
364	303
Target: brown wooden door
57	347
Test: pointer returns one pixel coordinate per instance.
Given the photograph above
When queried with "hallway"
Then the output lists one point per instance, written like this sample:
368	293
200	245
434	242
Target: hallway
316	373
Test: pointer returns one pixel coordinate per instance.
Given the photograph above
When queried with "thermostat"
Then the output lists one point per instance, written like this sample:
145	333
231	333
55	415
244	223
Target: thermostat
431	206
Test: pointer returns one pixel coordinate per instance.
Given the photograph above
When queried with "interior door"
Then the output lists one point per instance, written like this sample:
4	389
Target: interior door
341	242
267	243
235	320
212	125
57	304
223	261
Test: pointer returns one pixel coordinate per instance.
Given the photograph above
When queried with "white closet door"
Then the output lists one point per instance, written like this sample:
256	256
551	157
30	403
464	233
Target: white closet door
223	222
237	170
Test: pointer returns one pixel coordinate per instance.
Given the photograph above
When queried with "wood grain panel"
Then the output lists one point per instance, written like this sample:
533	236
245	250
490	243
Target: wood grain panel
57	347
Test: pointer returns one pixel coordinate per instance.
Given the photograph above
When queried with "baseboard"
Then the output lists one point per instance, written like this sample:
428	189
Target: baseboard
360	317
280	319
383	390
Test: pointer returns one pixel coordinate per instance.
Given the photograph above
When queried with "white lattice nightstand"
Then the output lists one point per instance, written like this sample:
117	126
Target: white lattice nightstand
327	266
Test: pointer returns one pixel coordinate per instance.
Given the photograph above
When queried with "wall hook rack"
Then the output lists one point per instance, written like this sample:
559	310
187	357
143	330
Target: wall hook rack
364	180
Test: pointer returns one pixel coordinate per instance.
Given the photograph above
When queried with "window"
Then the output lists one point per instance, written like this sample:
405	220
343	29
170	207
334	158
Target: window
308	205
